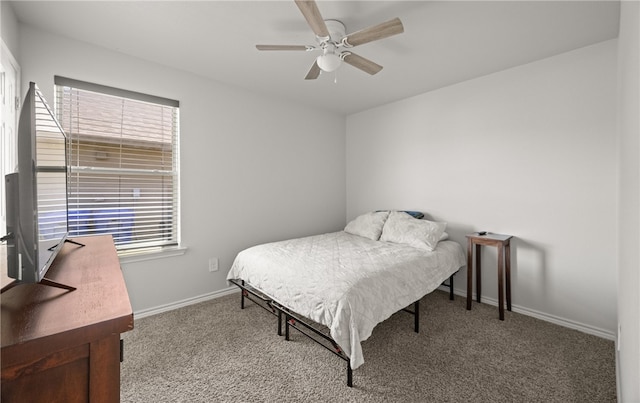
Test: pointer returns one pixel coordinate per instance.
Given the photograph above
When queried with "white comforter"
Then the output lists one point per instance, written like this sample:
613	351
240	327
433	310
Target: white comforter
346	282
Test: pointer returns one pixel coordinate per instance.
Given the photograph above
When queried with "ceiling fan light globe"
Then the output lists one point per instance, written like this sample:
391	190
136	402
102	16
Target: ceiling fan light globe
329	62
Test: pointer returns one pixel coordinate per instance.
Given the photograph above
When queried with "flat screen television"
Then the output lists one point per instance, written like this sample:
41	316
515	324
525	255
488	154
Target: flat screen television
36	194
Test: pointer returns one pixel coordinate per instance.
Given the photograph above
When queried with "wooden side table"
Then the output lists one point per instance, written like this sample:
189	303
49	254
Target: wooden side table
503	243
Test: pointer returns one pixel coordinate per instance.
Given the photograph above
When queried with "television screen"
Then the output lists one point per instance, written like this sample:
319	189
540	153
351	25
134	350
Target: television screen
37	193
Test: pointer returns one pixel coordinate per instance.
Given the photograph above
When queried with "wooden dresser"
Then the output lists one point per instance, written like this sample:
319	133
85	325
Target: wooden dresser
64	346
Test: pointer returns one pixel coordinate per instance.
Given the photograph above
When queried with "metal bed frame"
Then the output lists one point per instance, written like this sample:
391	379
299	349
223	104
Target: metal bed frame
294	320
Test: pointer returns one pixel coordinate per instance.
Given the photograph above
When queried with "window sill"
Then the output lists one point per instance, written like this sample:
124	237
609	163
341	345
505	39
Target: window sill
151	254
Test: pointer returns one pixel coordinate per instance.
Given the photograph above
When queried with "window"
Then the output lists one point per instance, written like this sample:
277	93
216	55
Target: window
123	163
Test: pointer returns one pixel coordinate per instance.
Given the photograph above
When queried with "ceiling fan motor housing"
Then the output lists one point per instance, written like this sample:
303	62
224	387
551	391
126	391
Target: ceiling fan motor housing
336	29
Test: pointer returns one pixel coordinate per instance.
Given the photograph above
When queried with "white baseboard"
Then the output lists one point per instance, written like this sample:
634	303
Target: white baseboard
185	302
605	334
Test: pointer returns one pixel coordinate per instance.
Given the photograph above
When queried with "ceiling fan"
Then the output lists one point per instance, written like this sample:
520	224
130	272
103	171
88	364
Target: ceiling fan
335	44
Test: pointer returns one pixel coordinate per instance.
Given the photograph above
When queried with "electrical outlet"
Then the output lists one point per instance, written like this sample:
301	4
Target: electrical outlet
213	264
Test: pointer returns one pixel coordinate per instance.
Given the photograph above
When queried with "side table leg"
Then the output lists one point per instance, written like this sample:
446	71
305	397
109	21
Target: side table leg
469	273
478	273
507	252
501	281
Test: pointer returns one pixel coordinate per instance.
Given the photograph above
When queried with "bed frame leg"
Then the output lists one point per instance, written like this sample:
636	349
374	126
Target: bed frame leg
279	323
349	374
286	327
242	297
416	316
451	287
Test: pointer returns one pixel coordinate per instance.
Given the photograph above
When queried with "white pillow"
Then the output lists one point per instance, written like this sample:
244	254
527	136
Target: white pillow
368	225
401	228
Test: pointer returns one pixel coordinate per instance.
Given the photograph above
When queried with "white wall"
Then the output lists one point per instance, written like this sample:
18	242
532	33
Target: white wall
628	356
252	168
530	151
9	28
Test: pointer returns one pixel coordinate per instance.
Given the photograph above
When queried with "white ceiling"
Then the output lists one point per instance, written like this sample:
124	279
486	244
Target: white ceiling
444	42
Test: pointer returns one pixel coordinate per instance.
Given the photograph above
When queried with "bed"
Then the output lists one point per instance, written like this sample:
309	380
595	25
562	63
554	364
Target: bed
350	280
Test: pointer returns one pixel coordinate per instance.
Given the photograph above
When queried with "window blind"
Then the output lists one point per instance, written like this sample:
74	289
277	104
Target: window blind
123	162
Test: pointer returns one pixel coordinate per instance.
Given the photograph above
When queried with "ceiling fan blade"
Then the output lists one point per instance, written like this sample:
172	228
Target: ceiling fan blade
309	9
361	63
373	33
314	72
281	47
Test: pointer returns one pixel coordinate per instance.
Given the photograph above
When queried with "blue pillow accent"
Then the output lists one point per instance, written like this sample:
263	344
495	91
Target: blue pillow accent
414	214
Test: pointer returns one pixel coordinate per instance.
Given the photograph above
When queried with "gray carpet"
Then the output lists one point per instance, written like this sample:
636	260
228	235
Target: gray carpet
215	352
